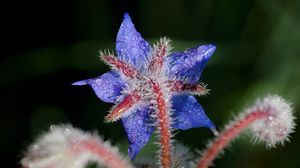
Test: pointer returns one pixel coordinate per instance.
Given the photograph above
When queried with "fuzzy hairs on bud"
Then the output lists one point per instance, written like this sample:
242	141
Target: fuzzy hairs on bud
67	147
279	123
270	119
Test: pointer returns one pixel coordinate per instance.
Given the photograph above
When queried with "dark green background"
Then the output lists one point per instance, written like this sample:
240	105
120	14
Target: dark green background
46	45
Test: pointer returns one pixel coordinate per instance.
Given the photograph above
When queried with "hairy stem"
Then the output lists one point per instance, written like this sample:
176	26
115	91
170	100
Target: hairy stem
163	118
107	157
226	136
67	147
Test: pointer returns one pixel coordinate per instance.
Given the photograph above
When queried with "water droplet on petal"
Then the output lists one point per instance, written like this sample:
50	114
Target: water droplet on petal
98	81
67	131
140	122
36	147
52	127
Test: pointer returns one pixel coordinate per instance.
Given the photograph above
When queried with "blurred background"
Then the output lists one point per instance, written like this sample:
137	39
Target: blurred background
47	45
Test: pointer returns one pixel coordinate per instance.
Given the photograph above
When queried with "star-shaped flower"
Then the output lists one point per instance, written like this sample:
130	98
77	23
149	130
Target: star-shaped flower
148	79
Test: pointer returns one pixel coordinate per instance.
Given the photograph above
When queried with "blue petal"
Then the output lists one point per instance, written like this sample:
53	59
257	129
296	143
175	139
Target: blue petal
190	63
130	45
108	87
137	129
188	113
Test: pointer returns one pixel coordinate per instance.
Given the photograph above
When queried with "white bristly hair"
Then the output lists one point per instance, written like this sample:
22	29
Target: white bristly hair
67	147
278	125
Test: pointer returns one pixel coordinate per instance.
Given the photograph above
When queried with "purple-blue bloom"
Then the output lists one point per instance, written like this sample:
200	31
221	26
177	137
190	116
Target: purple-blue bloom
138	64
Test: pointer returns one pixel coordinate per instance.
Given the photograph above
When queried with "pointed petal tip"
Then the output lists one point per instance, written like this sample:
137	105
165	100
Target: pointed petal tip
126	15
189	113
130	45
133	150
211	126
208	49
137	130
212	47
80	83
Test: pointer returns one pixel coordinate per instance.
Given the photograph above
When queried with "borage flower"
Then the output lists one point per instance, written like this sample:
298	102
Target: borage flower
152	88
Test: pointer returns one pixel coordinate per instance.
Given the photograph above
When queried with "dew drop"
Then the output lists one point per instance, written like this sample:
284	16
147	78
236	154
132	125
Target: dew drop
36	147
140	122
52	127
269	145
134	51
67	131
270	118
98	81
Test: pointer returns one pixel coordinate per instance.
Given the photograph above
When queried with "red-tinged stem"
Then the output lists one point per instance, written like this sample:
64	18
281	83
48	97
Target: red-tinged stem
163	117
121	66
179	86
158	56
226	136
129	101
106	156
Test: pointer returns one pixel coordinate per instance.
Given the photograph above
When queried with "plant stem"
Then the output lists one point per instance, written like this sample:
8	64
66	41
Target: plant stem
163	117
107	157
226	136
